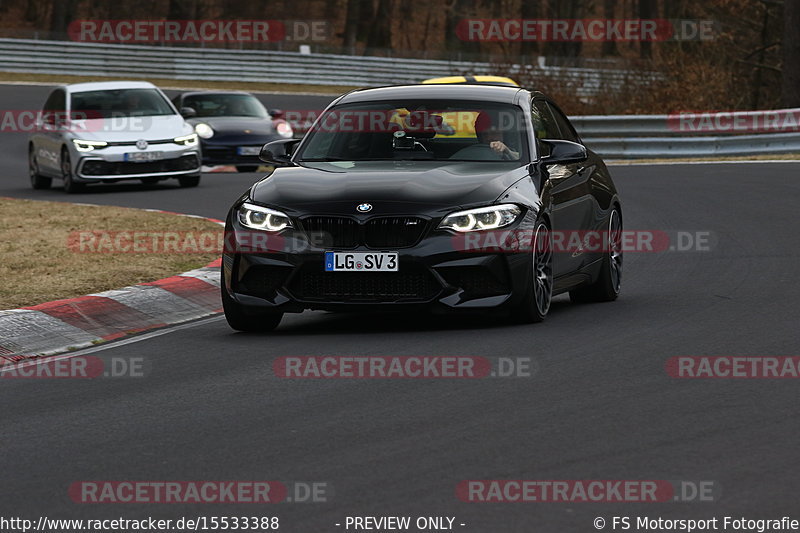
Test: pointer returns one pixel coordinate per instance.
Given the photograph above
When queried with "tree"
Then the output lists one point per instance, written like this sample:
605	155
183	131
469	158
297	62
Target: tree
530	10
379	36
455	11
60	15
565	9
790	51
351	24
648	9
609	47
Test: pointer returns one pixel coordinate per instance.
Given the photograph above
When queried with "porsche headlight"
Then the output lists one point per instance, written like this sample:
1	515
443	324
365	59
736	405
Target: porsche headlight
88	146
482	218
284	130
263	218
204	130
186	140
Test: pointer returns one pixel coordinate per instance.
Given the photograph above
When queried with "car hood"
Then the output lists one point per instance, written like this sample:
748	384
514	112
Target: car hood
392	187
237	125
126	129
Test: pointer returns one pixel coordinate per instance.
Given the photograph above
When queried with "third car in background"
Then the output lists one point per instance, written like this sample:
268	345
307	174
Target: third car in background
232	126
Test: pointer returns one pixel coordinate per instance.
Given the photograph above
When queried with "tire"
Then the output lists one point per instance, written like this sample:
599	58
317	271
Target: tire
189	181
37	180
539	288
609	282
70	185
246	168
243	318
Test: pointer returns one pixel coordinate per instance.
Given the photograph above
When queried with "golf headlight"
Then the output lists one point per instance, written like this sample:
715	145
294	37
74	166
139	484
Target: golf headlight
186	140
284	130
204	130
482	218
88	146
263	218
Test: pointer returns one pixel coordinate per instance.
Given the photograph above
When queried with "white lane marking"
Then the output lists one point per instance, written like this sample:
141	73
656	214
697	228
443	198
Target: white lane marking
109	344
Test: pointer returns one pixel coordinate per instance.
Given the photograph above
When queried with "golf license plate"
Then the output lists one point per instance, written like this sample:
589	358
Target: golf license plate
144	156
361	262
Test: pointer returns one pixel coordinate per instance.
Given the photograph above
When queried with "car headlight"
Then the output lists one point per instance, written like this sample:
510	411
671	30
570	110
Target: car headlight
284	130
263	218
482	218
88	146
204	130
186	140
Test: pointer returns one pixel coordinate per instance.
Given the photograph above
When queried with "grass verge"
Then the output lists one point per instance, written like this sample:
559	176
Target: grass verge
38	265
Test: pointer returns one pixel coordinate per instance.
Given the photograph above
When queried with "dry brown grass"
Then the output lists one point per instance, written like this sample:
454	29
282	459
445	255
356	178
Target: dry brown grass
38	265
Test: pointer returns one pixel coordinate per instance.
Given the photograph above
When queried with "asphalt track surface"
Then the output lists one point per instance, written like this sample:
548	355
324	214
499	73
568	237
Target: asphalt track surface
600	405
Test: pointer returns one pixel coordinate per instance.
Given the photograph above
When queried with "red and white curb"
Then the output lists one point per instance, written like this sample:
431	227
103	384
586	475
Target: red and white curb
74	323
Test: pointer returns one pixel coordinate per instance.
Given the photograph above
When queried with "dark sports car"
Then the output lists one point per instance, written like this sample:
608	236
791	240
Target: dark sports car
232	126
386	203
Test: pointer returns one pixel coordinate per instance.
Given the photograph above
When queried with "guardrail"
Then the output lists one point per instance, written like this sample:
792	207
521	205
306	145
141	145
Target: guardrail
695	147
217	64
741	133
631	136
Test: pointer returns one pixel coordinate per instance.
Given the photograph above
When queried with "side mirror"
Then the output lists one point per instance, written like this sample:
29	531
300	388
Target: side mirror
275	113
188	112
563	152
278	152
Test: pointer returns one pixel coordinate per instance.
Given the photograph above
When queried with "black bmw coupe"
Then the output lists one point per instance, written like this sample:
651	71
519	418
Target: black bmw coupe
442	197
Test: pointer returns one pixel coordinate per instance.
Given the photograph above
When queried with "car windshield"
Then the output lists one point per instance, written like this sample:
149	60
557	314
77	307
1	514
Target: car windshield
225	105
120	103
438	130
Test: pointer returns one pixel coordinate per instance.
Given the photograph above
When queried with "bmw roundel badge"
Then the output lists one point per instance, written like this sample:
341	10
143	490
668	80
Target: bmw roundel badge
364	208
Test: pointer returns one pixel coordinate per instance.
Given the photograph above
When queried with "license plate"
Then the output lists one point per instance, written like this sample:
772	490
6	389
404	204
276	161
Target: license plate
144	156
248	150
361	262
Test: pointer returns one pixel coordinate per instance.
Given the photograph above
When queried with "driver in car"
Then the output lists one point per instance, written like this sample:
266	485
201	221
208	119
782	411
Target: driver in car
237	108
490	145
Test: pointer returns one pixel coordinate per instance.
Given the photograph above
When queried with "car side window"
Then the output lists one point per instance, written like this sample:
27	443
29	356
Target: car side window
543	121
55	107
544	125
567	131
56	102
